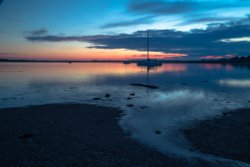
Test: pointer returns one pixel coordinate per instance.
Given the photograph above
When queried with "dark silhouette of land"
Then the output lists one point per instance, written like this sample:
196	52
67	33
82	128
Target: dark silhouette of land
234	60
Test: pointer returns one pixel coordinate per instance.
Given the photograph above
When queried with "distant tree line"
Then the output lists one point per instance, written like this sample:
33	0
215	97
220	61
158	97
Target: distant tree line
236	59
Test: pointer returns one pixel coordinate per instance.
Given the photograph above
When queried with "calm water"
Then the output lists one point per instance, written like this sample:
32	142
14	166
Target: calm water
187	92
35	83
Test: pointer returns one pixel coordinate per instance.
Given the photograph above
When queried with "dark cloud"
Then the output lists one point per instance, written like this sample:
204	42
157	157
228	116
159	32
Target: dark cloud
58	38
196	43
139	21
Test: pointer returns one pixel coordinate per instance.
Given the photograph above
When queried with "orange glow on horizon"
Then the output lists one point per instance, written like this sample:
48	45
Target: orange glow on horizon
212	57
78	54
160	55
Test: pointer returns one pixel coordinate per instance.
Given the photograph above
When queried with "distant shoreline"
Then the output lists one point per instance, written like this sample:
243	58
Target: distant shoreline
236	60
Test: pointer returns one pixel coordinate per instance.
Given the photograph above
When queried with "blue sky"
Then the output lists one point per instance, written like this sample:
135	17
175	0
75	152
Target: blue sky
85	26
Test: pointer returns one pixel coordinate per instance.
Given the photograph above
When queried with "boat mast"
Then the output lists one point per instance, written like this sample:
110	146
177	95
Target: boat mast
147	45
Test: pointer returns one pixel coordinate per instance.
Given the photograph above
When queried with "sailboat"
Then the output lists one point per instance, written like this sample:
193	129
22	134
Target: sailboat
149	62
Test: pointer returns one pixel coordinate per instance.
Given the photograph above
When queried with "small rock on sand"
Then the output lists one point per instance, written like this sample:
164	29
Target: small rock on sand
130	105
4	99
129	98
107	95
26	136
73	87
96	98
132	94
157	132
183	84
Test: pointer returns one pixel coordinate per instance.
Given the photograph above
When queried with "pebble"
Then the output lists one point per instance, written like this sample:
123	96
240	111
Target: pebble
107	95
143	107
26	136
130	105
96	98
157	132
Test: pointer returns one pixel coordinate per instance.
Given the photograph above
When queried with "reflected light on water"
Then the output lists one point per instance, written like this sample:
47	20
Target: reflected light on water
240	83
12	72
210	66
173	68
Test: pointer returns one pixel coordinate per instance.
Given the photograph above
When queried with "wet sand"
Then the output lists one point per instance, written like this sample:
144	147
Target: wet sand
226	136
71	135
89	135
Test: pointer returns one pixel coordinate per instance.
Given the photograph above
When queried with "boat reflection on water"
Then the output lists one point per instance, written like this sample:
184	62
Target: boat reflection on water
149	64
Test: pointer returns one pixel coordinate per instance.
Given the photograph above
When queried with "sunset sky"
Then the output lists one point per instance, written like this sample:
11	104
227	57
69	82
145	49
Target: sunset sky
116	29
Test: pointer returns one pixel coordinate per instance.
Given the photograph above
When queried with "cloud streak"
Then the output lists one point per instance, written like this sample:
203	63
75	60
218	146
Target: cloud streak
195	43
206	19
185	7
186	12
138	21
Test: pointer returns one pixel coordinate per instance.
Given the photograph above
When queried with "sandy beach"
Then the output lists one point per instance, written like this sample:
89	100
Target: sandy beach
71	135
89	135
227	136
